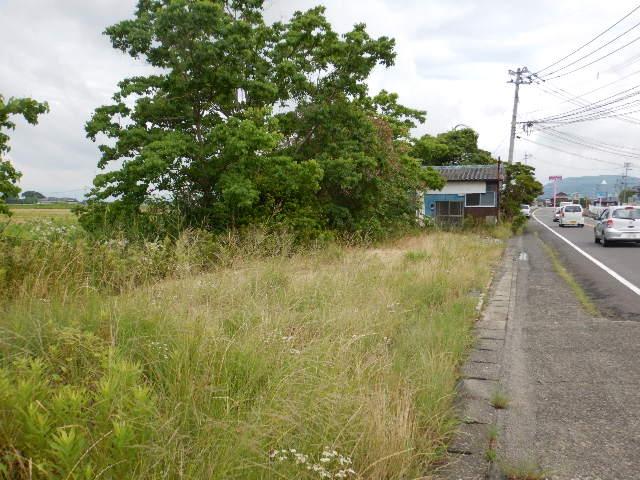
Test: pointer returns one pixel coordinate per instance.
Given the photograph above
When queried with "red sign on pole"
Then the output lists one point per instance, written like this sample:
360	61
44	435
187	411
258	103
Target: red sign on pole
555	179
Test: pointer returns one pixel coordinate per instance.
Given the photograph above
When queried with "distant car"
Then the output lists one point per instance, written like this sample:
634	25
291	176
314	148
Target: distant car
618	224
556	215
525	210
571	216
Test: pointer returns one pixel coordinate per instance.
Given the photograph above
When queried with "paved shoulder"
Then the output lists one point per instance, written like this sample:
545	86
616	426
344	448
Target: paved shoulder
573	379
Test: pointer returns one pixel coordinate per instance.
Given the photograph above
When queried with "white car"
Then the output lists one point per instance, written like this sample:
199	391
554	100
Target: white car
618	224
571	216
525	210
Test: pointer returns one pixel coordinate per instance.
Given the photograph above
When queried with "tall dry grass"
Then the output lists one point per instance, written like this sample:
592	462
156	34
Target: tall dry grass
334	363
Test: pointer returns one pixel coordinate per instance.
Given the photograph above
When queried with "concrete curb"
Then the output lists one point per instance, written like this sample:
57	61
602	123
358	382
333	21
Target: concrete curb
481	378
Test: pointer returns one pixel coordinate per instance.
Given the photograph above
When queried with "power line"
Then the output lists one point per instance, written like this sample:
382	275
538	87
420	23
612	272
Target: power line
572	153
590	41
593	51
572	98
604	102
627	62
607	85
553	134
592	118
596	142
594	61
555	164
594	110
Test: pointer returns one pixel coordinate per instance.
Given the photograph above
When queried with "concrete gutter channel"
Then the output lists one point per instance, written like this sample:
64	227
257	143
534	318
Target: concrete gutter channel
481	377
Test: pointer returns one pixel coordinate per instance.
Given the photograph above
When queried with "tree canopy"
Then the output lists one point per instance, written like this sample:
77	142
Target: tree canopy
32	194
29	109
244	121
520	188
455	147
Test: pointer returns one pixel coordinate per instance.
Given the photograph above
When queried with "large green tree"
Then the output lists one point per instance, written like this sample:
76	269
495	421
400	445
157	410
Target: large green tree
29	109
520	187
455	147
244	121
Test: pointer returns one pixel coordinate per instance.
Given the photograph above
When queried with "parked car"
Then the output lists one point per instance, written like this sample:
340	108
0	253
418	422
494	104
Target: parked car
571	215
525	210
618	224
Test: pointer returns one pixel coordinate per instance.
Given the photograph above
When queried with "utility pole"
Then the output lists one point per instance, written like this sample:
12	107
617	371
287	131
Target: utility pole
627	167
517	79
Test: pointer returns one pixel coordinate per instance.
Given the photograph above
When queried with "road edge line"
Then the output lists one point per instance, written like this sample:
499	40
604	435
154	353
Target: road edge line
598	263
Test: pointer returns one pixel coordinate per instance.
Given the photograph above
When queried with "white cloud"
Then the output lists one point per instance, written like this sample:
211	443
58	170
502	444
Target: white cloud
452	61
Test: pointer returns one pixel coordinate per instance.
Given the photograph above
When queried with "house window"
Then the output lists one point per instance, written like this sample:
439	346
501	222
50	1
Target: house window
480	199
449	211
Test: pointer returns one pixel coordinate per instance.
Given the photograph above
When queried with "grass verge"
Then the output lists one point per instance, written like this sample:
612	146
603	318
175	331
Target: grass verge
338	363
579	292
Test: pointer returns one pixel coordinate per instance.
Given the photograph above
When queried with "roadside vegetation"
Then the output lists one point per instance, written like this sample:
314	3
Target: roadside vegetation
233	358
587	303
524	470
499	399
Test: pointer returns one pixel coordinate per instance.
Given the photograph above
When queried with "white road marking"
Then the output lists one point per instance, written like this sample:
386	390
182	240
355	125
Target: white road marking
524	256
598	263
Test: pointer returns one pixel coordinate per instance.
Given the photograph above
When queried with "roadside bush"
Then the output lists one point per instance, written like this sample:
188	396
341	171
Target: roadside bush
517	223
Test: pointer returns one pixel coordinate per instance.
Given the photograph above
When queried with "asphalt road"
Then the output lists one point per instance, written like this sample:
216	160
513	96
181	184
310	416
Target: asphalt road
615	299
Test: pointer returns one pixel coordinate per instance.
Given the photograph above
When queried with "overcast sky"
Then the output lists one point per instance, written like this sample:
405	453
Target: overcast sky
452	61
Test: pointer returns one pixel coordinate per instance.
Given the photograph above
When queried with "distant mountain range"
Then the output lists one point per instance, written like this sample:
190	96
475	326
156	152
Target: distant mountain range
590	186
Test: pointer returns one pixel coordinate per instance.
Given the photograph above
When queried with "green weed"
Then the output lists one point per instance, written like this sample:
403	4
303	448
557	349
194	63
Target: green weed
523	470
416	256
499	399
491	455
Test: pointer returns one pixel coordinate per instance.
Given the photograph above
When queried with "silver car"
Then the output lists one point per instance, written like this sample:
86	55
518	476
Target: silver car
618	224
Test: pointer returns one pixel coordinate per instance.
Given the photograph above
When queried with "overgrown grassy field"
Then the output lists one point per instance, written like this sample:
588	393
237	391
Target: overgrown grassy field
223	359
42	206
60	213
